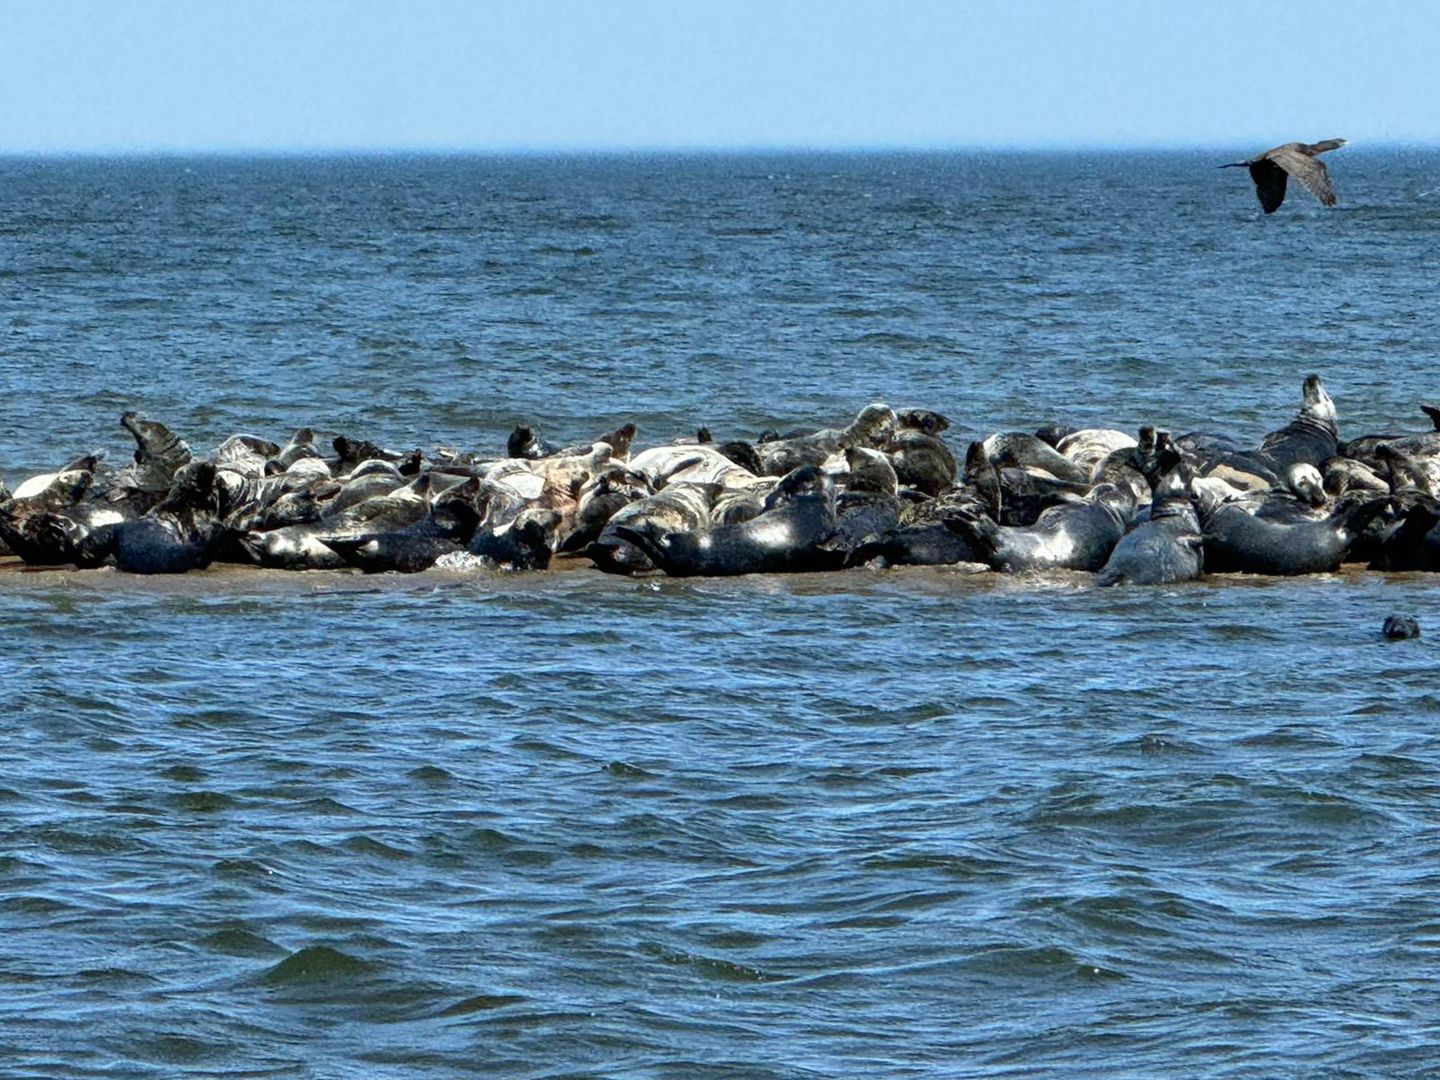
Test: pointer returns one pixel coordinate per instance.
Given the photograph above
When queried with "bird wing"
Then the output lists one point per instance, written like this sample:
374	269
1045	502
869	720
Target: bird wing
1269	184
1306	169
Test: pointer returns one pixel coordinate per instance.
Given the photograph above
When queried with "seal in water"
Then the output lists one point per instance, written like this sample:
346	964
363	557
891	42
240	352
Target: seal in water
1400	627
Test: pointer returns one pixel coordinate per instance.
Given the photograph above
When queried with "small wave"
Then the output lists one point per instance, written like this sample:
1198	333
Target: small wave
362	844
201	802
462	562
1154	744
1035	961
37	905
237	941
241	869
316	964
114	977
480	1003
175	1048
709	967
68	842
746	231
626	771
962	867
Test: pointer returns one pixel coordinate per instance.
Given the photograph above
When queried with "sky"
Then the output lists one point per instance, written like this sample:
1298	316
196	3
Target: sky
181	76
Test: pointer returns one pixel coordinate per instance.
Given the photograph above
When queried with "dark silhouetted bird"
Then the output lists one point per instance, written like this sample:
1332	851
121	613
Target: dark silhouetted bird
1270	169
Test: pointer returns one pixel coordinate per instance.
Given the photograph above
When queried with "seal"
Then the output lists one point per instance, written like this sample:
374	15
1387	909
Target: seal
1078	534
1414	542
179	534
159	455
870	428
785	538
50	519
1309	439
736	504
1088	447
1018	450
245	455
525	516
662	465
352	453
79	536
300	547
1026	493
1412	442
920	458
868	507
445	530
1400	627
1239	541
300	447
1344	474
523	443
922	536
526	445
600	498
1051	434
1304	483
1166	547
526	542
677	508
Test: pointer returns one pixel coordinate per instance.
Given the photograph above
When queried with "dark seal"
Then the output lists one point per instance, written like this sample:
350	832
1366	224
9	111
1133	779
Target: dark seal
1400	627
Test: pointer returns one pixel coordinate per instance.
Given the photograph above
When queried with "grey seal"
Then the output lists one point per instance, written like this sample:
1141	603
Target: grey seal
784	538
1166	547
1239	541
1078	534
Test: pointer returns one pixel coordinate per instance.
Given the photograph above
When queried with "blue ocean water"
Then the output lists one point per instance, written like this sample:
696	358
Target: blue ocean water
890	823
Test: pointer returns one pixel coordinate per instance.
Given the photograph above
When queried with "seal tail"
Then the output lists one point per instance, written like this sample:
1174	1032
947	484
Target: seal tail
350	548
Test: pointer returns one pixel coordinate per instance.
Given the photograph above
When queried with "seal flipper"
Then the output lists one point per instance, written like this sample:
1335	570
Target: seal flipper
652	547
1433	412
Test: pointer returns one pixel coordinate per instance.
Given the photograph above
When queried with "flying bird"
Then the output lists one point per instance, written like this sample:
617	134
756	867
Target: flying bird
1270	169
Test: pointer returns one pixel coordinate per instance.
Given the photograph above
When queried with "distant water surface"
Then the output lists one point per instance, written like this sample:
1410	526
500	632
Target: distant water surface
901	824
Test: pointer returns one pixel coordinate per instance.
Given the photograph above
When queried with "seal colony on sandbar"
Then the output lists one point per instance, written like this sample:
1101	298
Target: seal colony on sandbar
886	489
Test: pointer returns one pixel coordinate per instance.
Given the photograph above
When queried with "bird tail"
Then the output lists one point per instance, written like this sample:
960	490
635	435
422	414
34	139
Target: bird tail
1326	144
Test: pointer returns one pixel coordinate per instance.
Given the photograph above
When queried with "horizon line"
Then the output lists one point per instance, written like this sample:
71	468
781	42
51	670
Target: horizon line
662	150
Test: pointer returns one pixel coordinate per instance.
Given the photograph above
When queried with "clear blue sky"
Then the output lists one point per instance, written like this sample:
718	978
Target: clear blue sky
279	75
